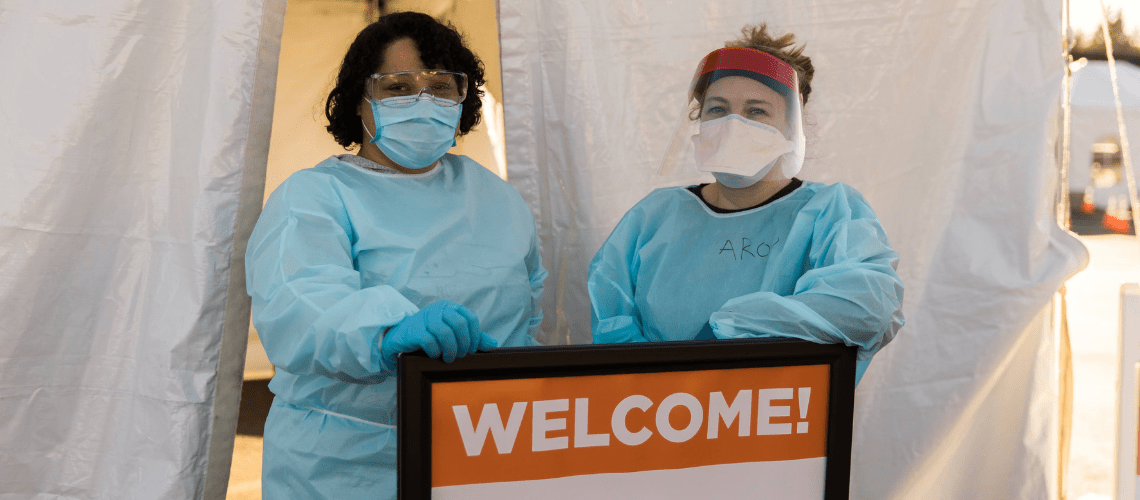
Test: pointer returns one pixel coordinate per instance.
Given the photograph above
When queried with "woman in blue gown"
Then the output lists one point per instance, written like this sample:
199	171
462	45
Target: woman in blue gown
398	248
757	253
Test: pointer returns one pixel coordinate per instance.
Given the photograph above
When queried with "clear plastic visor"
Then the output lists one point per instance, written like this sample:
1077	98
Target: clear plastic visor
751	95
404	88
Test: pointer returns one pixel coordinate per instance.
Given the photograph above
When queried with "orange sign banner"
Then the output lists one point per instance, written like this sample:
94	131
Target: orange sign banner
543	428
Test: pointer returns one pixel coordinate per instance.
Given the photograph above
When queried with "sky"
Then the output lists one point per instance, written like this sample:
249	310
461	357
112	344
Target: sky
1086	14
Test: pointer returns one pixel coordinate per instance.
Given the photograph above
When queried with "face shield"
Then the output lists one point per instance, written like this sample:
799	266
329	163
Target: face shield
743	118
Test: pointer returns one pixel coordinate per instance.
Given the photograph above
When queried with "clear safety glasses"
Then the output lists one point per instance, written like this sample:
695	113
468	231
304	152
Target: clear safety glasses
404	88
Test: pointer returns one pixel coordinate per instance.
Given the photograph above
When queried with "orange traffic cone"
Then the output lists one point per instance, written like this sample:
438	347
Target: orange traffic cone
1115	219
1088	203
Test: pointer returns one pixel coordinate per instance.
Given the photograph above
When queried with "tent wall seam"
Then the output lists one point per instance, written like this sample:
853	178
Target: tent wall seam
235	325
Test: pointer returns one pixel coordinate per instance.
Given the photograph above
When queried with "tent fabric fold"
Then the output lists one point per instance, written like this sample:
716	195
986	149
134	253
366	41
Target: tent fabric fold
134	136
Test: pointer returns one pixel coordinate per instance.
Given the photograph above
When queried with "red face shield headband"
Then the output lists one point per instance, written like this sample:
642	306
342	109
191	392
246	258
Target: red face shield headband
730	60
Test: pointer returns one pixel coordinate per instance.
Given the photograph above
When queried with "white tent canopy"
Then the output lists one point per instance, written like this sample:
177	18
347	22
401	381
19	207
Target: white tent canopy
1094	119
1092	86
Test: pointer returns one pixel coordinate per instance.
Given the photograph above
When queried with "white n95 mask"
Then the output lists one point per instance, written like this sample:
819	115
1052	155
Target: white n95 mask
738	151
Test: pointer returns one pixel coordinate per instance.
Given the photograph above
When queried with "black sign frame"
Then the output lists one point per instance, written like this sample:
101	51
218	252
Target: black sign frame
417	373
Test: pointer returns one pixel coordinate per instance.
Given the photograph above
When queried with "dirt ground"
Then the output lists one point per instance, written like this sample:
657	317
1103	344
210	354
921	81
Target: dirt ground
1094	311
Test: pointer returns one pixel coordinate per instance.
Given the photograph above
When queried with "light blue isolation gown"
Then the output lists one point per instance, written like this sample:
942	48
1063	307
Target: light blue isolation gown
814	264
340	253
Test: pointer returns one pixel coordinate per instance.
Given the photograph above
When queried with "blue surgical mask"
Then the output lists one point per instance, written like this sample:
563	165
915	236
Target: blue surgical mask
415	136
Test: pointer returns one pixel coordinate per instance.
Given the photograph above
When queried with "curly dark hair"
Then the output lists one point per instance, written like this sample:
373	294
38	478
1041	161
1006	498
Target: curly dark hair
440	46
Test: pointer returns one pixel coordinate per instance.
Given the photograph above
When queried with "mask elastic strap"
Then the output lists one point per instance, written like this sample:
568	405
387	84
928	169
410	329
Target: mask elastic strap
370	136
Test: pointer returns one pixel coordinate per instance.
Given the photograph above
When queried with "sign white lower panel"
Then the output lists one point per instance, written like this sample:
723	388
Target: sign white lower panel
786	480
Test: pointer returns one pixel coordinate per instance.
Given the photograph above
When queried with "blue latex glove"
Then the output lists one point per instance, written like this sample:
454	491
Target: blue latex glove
441	329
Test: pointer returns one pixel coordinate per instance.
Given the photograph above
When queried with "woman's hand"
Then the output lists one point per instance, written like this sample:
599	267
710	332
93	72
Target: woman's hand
441	329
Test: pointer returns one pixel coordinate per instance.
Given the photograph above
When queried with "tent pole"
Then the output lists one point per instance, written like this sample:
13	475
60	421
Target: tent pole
1064	347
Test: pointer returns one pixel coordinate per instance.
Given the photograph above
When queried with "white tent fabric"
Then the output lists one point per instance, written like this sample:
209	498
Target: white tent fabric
943	113
1094	118
133	136
1092	86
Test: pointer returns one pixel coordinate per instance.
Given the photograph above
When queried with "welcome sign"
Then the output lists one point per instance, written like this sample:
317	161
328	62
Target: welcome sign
665	420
